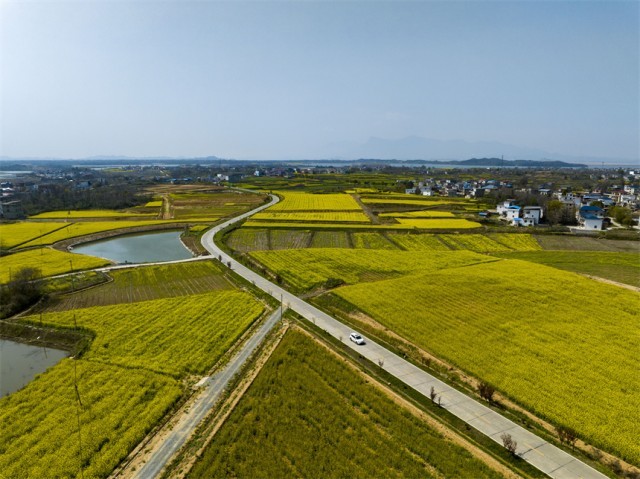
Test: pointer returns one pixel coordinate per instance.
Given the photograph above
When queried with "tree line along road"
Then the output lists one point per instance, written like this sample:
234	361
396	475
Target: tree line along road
541	454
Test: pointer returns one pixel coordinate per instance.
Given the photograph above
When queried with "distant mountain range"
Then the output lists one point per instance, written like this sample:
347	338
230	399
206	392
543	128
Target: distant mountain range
419	148
409	149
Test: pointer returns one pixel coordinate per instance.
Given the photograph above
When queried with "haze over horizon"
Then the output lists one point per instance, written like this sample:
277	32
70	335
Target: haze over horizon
291	80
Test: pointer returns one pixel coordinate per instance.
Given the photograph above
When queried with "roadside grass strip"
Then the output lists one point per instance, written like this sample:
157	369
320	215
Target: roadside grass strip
16	234
517	242
438	223
119	406
615	266
305	269
76	214
296	201
73	230
146	283
50	262
543	336
175	336
307	414
311	216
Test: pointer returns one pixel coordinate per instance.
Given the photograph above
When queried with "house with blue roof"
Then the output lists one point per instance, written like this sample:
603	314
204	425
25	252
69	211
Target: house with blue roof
591	217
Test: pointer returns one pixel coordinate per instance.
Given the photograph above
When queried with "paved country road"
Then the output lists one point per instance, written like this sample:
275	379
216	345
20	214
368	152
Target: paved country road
160	456
544	456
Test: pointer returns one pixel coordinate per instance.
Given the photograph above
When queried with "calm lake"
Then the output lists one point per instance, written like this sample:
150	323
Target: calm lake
20	363
138	248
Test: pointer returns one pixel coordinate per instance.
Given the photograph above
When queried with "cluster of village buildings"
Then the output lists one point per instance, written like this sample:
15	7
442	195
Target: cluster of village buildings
591	208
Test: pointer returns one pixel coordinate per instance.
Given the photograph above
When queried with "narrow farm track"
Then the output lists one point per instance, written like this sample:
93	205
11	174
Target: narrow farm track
541	454
158	453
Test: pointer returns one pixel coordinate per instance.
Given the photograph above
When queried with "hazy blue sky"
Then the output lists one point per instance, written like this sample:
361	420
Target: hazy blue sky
290	79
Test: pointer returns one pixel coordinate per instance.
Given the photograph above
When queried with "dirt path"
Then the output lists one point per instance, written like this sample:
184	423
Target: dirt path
367	211
166	207
615	283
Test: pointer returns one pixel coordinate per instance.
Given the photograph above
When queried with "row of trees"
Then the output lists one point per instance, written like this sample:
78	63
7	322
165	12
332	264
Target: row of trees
22	291
67	197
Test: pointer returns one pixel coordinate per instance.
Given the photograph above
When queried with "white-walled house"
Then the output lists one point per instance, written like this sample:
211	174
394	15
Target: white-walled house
502	208
512	212
522	222
591	217
532	212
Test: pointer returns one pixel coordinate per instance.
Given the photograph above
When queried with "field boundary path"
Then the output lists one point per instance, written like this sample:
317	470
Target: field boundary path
541	454
158	457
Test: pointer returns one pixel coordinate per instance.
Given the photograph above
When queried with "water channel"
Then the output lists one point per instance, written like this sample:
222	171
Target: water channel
138	248
20	363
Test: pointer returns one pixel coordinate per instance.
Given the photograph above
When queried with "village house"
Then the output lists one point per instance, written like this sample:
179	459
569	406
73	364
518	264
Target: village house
591	218
533	213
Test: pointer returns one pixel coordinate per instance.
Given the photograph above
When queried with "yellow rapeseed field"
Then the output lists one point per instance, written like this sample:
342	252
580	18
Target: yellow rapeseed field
15	234
49	261
296	201
75	214
556	342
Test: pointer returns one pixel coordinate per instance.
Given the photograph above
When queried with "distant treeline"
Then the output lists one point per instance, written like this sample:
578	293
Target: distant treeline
68	197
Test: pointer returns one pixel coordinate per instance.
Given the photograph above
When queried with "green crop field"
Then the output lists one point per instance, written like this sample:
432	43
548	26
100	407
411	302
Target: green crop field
49	261
558	343
15	234
517	242
283	239
620	267
473	242
582	243
176	336
330	239
371	241
309	268
212	205
144	283
422	242
248	239
308	415
39	428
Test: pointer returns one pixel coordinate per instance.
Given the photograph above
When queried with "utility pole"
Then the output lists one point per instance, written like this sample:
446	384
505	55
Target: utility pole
78	410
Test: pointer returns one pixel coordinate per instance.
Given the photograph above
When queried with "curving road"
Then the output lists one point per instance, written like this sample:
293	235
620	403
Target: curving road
544	456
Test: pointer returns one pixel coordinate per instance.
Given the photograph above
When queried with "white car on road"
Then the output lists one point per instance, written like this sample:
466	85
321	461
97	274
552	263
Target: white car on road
356	338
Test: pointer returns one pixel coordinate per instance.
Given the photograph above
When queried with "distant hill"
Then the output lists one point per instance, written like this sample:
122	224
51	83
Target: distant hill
521	163
449	151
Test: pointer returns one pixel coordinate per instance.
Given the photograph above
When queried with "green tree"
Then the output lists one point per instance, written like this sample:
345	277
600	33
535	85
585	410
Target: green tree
554	212
21	292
